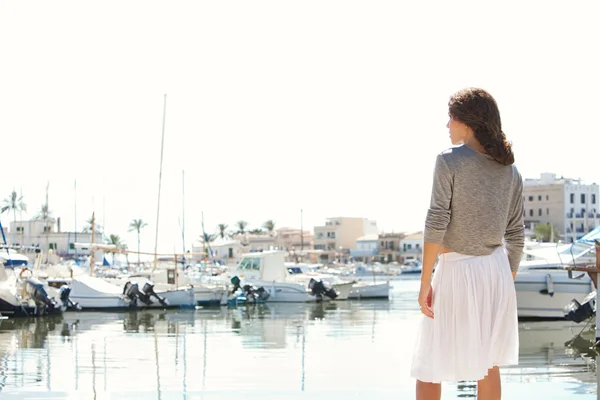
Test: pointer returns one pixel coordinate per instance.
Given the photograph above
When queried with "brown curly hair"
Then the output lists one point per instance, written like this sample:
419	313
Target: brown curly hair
477	109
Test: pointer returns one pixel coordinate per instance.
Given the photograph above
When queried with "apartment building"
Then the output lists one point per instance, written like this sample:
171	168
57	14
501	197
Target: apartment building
47	235
339	235
293	239
390	248
412	247
568	205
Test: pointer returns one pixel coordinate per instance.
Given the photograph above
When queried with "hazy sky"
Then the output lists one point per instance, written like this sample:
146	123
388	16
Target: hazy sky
335	107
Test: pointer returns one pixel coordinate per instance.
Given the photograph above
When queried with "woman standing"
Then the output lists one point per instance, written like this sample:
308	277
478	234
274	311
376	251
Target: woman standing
475	226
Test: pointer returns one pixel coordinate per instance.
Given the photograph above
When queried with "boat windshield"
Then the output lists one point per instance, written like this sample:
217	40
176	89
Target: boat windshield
249	263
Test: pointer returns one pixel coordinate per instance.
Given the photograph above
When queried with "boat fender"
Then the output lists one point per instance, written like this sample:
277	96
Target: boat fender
549	286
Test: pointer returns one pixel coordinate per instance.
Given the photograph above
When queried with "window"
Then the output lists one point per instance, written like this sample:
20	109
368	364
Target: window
531	213
547	197
582	198
249	264
530	198
572	198
540	198
547	211
71	246
593	199
20	229
539	212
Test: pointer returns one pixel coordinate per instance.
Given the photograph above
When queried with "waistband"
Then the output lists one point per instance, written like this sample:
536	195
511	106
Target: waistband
454	256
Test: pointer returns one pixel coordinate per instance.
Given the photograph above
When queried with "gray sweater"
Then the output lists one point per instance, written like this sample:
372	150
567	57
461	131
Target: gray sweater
475	203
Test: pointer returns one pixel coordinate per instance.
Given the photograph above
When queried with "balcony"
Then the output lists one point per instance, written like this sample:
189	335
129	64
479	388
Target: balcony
580	215
580	230
569	215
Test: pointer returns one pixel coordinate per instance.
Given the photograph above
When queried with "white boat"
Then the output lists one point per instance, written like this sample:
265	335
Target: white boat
359	289
267	270
168	277
543	290
21	293
543	284
92	293
412	267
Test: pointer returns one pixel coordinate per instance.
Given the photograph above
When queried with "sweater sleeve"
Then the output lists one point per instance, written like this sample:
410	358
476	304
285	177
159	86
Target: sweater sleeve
438	214
514	236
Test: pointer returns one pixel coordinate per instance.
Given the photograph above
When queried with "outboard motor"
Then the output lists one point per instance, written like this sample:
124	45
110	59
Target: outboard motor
235	281
63	293
318	288
254	293
131	291
578	312
148	290
35	289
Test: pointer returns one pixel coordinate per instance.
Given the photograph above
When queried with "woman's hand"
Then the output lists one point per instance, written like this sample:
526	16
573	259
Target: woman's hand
426	300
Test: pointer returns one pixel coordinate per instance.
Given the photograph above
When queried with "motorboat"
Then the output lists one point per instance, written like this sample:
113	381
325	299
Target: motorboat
264	275
544	282
24	295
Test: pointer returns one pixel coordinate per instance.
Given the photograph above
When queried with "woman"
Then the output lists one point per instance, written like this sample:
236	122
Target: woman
475	226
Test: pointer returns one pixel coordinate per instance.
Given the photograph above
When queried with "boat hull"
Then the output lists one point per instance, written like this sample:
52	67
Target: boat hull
370	291
8	309
545	293
209	295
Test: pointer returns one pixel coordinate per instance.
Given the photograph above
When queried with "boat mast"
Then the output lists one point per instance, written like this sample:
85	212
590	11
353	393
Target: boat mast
162	142
92	248
183	210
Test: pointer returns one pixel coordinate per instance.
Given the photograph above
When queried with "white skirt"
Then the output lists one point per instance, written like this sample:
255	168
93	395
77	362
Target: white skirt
475	324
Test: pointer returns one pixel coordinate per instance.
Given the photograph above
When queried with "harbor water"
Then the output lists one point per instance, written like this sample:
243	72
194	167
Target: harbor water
333	350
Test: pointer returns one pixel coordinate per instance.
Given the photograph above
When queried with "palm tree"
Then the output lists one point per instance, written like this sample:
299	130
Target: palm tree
241	225
269	226
222	228
137	225
206	239
117	242
13	203
257	231
88	227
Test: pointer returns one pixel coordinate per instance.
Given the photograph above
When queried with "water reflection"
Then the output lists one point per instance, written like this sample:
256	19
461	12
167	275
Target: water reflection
267	348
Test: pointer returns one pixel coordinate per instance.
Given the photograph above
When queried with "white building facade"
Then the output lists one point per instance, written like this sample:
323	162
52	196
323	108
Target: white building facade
570	206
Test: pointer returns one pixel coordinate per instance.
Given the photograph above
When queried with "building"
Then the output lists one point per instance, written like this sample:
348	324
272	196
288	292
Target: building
366	248
227	250
293	239
51	240
339	235
412	247
390	248
569	206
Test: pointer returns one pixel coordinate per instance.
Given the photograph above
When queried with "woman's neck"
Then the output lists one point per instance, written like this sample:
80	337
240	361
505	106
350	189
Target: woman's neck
475	145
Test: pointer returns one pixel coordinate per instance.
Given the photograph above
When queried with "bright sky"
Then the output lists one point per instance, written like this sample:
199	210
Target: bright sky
335	107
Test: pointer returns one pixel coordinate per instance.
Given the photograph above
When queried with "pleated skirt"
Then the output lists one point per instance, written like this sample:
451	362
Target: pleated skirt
475	324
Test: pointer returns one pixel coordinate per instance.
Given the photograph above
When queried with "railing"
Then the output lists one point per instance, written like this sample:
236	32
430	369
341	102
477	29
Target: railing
569	215
580	215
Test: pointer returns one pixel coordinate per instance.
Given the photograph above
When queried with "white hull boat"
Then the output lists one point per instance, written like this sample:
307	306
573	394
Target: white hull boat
22	294
268	277
363	290
92	293
543	291
358	290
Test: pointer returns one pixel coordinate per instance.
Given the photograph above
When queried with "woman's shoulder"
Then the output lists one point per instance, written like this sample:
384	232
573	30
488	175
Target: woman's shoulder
453	154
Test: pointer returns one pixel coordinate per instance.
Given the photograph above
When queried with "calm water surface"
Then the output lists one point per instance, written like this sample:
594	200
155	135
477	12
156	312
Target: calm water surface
338	350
